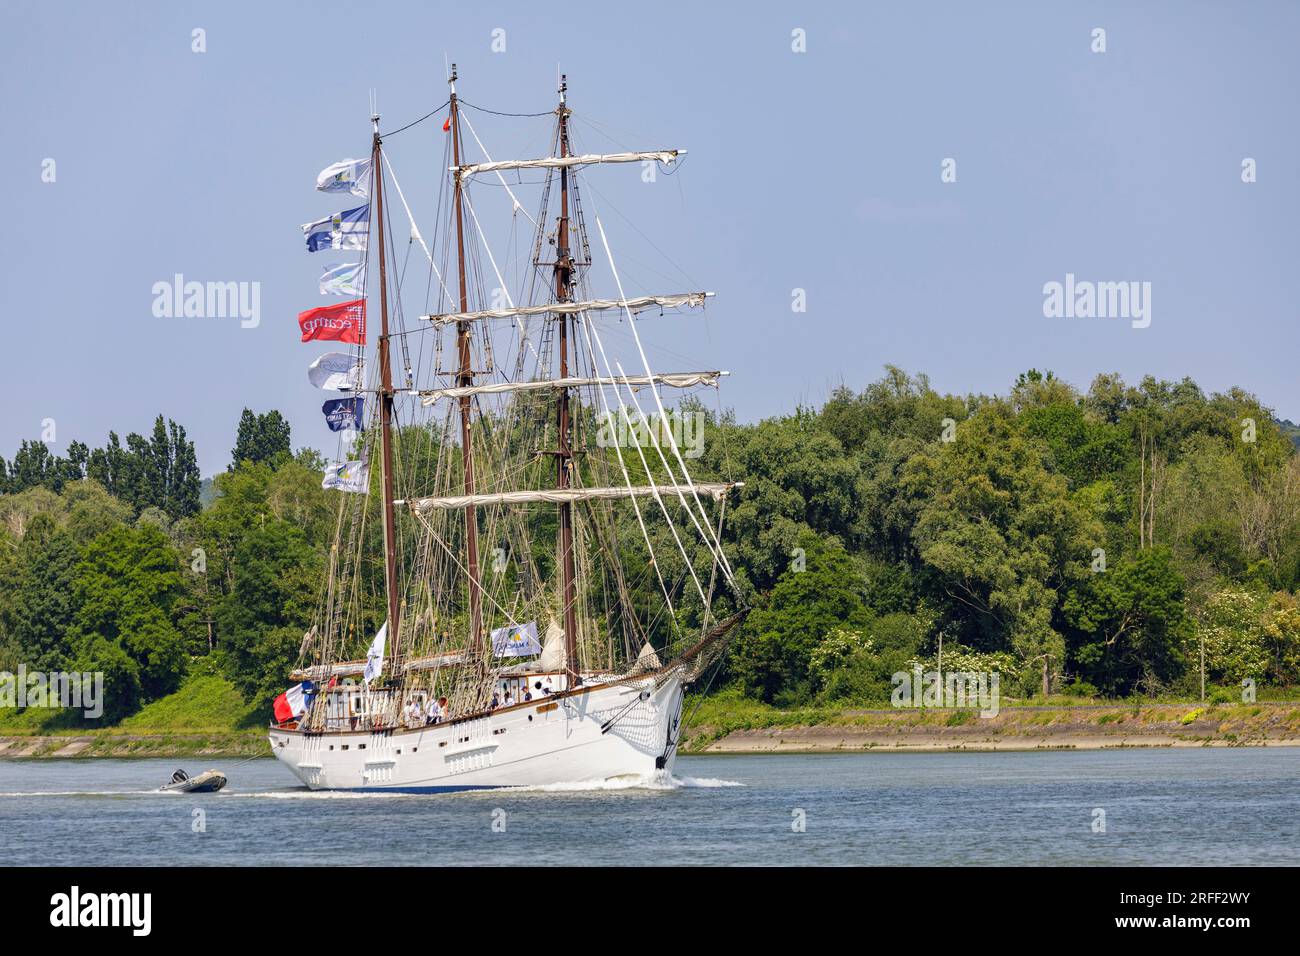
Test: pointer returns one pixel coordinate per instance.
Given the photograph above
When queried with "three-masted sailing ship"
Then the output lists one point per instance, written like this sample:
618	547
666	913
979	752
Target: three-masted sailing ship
549	565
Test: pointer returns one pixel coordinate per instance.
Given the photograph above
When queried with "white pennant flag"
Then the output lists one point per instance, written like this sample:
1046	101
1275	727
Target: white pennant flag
375	656
336	372
348	176
344	278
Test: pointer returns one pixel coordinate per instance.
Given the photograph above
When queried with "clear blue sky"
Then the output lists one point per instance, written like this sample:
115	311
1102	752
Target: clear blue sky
817	170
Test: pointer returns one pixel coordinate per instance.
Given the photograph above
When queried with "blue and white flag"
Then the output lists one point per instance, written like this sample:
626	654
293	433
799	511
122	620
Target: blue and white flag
375	656
336	372
348	476
349	176
344	278
343	230
345	414
519	640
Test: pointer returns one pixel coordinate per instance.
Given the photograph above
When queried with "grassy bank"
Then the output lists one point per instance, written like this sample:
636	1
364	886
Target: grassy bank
728	723
206	716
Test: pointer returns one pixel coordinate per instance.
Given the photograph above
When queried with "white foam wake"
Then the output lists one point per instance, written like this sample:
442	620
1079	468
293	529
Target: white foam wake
305	794
658	780
707	782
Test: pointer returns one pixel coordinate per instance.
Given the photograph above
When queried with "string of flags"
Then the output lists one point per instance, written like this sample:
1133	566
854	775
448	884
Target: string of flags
344	322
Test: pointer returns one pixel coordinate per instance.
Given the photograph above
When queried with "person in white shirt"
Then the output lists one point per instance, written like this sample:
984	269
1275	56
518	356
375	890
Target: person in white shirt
413	713
510	699
434	712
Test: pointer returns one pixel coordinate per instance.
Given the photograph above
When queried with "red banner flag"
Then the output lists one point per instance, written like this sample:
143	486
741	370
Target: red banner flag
345	322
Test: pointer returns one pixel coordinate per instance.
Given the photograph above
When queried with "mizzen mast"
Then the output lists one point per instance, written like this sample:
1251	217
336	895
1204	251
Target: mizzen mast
564	277
465	379
391	578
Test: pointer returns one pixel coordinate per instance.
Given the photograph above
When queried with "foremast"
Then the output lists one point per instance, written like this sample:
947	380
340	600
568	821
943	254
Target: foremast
564	277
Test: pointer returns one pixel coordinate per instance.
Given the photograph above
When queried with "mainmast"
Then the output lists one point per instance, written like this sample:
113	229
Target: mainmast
385	402
564	456
465	378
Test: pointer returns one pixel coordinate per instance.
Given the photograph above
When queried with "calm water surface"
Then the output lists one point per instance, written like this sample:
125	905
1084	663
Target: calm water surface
1202	806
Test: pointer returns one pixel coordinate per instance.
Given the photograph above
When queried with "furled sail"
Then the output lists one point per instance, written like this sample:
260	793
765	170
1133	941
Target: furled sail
637	304
717	489
674	379
665	156
552	658
323	672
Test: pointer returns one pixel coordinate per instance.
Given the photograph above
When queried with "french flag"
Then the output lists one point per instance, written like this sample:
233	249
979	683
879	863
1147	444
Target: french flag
293	701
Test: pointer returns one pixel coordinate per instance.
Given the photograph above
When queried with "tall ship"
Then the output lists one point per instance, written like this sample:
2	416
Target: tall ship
525	576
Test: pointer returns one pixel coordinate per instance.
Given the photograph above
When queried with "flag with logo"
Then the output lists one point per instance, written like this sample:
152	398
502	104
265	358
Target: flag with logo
345	414
344	278
347	476
348	229
375	656
345	322
335	372
346	176
518	640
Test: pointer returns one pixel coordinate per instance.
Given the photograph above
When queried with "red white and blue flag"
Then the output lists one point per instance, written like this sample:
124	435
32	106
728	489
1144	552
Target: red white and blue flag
293	701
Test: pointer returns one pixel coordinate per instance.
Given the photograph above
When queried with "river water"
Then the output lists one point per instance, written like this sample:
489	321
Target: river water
1187	806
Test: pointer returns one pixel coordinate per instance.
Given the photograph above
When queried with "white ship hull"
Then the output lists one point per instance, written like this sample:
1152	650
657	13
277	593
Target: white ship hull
607	731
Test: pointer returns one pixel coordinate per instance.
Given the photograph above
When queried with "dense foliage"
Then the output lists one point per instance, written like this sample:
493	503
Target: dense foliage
1101	542
1094	540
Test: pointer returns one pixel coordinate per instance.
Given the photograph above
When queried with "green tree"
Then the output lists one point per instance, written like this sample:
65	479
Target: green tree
122	691
1000	535
262	620
125	589
771	658
1129	624
160	471
1231	625
43	605
261	439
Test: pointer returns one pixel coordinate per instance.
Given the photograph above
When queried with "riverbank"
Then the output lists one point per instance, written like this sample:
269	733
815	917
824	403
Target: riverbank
1064	727
208	718
205	717
109	743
